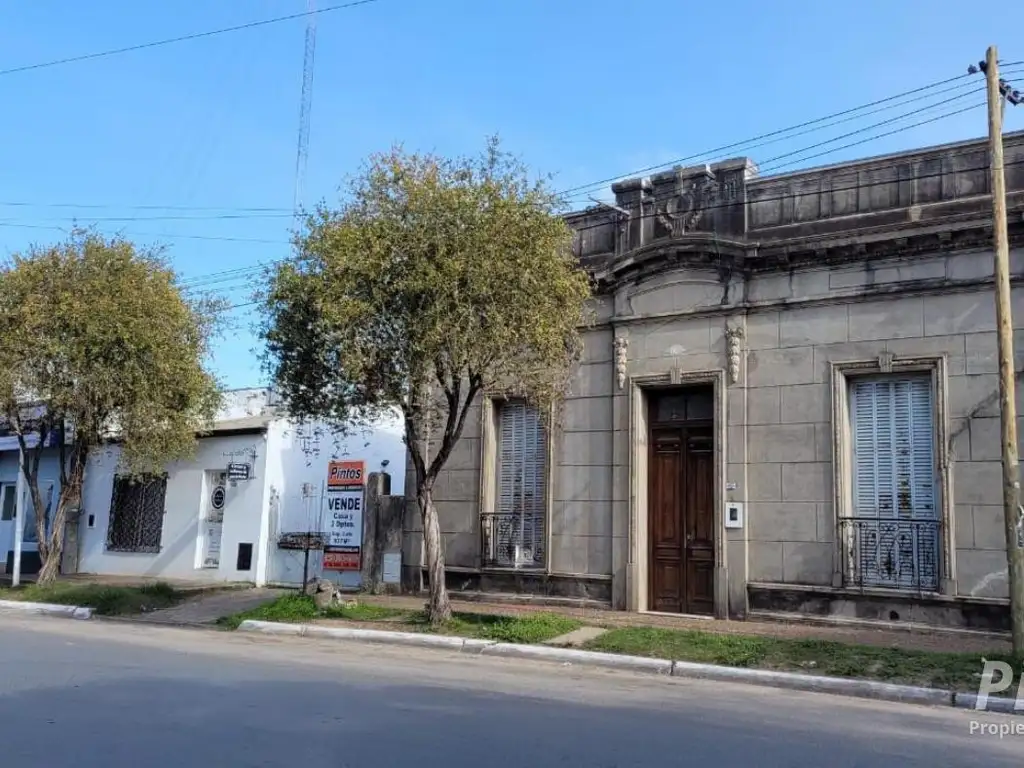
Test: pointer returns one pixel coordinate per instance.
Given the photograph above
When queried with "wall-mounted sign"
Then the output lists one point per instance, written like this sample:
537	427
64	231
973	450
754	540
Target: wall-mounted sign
345	518
217	497
344	515
341	560
346	474
239	471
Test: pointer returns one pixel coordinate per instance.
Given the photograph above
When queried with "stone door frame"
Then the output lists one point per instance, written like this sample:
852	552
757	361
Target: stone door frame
637	399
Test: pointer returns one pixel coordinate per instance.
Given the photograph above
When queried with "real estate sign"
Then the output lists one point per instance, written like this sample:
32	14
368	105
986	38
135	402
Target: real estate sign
344	515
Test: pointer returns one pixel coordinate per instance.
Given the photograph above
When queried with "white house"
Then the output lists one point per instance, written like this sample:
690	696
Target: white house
216	517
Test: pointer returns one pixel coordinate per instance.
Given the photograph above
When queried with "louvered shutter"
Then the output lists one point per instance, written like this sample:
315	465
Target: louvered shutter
894	494
522	472
894	464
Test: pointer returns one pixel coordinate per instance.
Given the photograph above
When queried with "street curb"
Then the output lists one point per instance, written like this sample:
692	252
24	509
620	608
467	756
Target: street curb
47	609
583	658
865	689
995	704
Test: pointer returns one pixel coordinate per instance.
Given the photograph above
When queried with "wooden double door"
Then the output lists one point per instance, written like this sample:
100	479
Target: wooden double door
680	507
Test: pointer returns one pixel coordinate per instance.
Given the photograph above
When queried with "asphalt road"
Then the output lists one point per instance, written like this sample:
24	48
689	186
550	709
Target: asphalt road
113	695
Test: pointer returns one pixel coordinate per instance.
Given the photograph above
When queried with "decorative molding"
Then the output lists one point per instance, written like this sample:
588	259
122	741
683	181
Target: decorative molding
684	210
621	360
885	361
734	348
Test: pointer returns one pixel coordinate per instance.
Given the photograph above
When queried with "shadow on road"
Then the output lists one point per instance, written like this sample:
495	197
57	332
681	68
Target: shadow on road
156	721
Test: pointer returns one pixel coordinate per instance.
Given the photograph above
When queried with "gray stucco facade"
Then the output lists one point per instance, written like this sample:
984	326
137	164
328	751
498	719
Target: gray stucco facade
777	295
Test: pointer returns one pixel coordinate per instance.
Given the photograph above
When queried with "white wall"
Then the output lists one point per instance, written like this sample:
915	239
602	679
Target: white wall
290	466
240	403
179	557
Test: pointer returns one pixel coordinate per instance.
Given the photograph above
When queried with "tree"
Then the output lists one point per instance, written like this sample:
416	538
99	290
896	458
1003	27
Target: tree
435	281
98	342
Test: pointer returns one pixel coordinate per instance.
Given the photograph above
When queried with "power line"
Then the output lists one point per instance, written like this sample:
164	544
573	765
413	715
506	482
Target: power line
245	273
879	124
789	196
869	138
198	281
134	233
775	136
181	39
211	217
770	134
106	206
862	141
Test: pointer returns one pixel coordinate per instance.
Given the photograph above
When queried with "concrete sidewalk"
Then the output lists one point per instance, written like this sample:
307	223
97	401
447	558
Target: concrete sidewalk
934	640
206	608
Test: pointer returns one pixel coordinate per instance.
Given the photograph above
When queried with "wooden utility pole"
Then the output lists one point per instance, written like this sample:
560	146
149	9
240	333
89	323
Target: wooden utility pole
1007	381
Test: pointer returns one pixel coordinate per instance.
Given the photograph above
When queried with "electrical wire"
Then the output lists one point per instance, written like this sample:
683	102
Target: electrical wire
245	273
134	233
778	135
106	206
790	195
832	150
199	282
765	139
212	217
181	39
770	167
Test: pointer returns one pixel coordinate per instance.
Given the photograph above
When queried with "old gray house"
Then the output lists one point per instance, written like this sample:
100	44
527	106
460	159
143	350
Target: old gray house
788	403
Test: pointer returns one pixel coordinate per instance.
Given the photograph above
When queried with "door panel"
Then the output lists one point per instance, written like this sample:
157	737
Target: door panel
681	520
666	566
699	524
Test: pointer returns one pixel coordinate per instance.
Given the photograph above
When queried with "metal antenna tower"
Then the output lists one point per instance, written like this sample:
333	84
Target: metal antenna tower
306	105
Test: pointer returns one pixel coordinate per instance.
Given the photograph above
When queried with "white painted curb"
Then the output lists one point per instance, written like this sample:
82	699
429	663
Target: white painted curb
47	609
995	704
867	689
584	658
365	635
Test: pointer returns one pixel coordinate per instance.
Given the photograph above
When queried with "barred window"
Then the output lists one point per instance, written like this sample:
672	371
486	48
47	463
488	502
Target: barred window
137	514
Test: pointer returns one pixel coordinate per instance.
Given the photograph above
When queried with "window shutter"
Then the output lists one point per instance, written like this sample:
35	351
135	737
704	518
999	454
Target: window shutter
522	474
893	540
894	459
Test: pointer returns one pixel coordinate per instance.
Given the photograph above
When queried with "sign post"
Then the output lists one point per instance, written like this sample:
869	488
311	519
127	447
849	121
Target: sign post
346	485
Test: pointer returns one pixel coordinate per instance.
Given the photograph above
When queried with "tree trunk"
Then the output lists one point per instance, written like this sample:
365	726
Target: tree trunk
51	542
439	609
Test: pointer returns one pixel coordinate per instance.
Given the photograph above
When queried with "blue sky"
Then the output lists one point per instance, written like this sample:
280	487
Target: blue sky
582	90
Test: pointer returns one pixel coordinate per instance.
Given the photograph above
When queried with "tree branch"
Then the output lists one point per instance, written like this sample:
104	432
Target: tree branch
457	412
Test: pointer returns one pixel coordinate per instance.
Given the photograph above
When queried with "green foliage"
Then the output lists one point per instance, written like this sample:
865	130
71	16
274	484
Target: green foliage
362	612
528	628
960	671
105	600
434	281
98	332
287	608
97	342
451	274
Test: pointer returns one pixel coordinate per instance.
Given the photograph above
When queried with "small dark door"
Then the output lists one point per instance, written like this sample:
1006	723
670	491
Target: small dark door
681	517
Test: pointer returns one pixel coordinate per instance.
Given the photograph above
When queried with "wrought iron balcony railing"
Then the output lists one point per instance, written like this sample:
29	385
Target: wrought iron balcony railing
902	554
512	540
